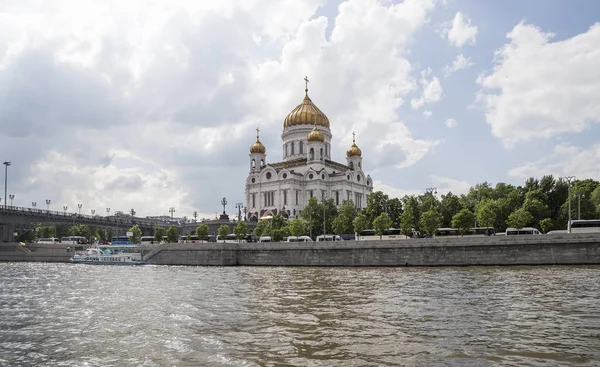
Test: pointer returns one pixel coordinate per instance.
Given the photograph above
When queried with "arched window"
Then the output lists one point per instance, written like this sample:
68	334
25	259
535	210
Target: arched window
301	147
351	165
321	153
292	148
262	162
285	149
358	165
253	163
312	153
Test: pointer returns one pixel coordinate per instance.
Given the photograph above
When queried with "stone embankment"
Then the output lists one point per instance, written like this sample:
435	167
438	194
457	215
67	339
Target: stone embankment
564	249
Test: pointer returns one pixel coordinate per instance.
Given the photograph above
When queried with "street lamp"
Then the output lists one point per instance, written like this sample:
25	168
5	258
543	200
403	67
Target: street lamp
6	164
195	216
239	208
569	179
245	215
33	204
11	197
132	211
432	191
79	207
93	211
107	212
65	209
171	210
48	204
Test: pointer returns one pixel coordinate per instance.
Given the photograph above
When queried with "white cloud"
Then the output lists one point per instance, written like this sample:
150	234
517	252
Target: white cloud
392	191
566	160
460	31
427	113
450	123
539	89
459	63
432	90
446	184
163	98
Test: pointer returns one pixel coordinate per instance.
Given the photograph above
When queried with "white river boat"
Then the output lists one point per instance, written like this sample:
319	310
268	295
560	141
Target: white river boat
110	255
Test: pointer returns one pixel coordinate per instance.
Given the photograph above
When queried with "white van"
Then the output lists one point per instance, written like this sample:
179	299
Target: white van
48	240
298	239
329	237
265	239
524	230
147	240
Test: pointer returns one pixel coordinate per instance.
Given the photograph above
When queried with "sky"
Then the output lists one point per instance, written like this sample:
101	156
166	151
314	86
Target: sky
153	105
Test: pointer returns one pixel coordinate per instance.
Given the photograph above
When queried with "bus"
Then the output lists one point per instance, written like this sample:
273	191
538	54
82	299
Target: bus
388	234
74	240
193	239
121	240
147	240
329	237
473	232
524	230
585	226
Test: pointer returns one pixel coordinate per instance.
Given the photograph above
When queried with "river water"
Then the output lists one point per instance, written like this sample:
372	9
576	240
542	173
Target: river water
85	315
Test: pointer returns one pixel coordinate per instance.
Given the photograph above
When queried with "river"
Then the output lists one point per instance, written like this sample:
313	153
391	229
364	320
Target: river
86	315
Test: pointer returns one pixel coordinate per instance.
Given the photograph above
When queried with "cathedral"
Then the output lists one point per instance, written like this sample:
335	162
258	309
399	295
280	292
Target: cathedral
306	169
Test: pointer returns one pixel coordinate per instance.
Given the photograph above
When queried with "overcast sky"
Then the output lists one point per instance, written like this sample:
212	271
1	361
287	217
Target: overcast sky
154	104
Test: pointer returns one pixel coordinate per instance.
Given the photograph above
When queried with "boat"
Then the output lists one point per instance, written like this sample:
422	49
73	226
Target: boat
126	254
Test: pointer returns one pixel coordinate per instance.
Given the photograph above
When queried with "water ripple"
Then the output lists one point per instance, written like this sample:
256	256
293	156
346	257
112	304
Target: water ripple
77	315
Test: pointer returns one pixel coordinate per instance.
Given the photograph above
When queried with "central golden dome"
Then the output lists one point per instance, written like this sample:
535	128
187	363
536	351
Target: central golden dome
306	113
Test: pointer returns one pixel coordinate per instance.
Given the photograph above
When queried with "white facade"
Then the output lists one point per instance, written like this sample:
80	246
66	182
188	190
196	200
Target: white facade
306	169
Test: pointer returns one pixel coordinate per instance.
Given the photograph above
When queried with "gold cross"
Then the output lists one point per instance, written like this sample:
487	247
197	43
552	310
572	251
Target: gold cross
353	141
257	131
306	82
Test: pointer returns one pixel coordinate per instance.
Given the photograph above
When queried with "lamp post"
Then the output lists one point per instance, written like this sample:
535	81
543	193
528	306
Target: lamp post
239	208
11	197
569	179
195	216
324	219
171	210
93	211
132	211
79	206
48	204
107	212
578	204
65	209
431	191
6	164
245	215
33	204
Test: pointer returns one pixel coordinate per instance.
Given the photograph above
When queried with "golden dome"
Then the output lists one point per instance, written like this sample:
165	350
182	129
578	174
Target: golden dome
316	135
258	147
353	151
306	113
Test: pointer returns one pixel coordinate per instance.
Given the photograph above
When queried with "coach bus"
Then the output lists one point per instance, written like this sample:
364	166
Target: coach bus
585	226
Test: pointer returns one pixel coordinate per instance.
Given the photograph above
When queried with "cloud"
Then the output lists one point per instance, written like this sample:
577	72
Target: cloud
447	184
460	32
427	113
450	123
149	107
539	89
432	90
459	63
392	191
565	160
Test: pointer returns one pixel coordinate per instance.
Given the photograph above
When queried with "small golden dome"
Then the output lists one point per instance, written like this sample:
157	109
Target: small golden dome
315	135
258	147
353	151
306	113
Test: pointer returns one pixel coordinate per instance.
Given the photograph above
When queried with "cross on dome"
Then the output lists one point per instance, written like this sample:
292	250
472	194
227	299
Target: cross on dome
306	83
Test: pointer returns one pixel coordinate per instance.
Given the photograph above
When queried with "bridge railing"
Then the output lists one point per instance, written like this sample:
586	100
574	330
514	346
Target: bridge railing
17	210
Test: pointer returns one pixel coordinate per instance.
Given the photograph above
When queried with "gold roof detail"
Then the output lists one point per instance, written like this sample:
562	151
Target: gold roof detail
306	113
258	147
315	135
353	151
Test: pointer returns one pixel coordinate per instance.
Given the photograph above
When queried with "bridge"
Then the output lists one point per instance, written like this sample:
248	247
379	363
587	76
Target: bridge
12	216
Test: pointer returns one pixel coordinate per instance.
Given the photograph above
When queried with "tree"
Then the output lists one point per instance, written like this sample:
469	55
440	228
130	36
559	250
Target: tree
377	203
595	199
381	224
449	206
202	232
430	221
343	222
394	211
486	213
223	231
240	230
172	234
519	218
463	220
297	227
136	234
360	224
313	215
261	228
546	225
407	219
159	234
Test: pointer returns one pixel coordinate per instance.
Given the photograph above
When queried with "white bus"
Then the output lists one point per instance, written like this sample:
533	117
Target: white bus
524	230
74	240
147	240
388	234
473	232
329	237
51	240
585	226
298	239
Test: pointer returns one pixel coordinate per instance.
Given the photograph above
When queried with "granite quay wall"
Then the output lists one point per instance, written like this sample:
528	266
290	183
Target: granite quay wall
34	252
496	250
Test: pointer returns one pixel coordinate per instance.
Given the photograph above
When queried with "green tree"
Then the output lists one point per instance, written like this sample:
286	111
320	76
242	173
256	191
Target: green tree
297	227
463	220
394	211
223	231
313	215
342	224
172	234
407	219
430	221
381	224
277	234
519	218
449	206
240	230
360	223
595	199
486	213
159	234
202	232
377	203
261	228
546	225
136	234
